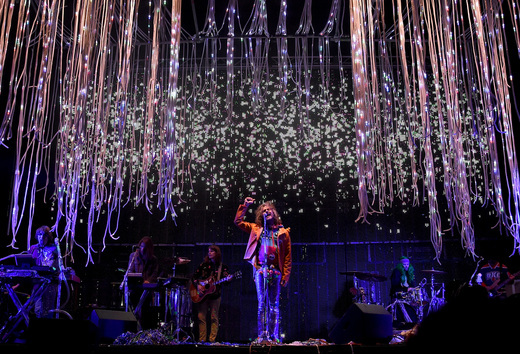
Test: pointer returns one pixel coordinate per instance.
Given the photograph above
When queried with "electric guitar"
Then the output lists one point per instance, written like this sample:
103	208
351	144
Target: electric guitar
494	290
209	286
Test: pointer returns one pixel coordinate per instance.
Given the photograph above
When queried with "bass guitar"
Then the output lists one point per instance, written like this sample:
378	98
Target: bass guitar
205	287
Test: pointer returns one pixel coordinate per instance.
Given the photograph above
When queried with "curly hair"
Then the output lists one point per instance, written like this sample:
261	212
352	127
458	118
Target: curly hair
44	230
259	218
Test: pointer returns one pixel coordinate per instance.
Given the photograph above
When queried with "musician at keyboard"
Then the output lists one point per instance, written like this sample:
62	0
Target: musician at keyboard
144	261
45	252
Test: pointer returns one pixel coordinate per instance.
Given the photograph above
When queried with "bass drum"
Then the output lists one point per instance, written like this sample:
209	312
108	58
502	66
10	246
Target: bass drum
404	315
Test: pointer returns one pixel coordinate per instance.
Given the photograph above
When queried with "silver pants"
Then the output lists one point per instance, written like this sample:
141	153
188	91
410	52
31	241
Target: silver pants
268	295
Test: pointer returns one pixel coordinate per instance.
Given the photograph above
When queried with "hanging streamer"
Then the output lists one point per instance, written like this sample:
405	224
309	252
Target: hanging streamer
421	110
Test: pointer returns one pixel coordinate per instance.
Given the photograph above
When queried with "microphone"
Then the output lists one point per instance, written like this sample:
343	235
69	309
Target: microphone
265	225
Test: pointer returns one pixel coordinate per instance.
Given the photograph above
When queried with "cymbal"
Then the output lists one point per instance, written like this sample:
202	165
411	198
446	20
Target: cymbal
365	275
177	260
372	277
434	271
182	260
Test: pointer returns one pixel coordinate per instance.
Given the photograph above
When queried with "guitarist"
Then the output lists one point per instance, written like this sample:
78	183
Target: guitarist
494	273
211	269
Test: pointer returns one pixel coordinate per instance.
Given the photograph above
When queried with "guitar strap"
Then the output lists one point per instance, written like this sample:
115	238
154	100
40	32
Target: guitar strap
219	271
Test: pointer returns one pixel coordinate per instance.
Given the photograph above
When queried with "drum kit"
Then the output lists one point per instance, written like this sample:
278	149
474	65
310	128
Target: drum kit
365	290
412	306
169	294
407	308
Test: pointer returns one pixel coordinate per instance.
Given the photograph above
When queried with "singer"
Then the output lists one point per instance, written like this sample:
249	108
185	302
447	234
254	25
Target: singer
45	251
269	252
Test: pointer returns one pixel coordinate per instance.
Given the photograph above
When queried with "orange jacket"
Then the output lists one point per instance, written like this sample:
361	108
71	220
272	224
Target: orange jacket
255	231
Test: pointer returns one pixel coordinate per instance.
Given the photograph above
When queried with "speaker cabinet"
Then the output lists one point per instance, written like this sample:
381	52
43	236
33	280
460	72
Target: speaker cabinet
110	324
363	324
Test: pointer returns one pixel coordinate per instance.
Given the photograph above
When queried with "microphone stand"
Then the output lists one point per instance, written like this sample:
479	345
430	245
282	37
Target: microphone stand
10	256
61	276
475	272
124	283
265	270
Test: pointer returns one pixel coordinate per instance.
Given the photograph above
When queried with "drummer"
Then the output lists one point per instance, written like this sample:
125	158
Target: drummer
402	279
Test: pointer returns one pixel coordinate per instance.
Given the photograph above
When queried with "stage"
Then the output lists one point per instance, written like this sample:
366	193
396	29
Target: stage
445	344
463	321
224	348
470	323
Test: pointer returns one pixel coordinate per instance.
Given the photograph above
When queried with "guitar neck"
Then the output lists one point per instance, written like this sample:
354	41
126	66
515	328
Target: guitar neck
220	281
506	281
208	287
216	282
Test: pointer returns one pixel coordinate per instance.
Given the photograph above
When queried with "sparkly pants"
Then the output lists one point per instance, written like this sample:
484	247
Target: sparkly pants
268	294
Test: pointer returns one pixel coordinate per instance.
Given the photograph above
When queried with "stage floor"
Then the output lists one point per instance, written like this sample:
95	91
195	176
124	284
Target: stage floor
215	349
444	340
78	337
468	325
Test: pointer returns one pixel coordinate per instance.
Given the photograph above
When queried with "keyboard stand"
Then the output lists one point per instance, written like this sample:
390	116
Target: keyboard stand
23	309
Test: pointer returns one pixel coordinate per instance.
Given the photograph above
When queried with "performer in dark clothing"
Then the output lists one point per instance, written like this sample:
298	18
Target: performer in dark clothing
208	295
144	261
492	276
269	251
46	254
402	279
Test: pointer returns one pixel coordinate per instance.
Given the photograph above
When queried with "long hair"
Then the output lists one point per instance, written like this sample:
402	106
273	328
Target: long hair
218	254
148	248
406	275
259	217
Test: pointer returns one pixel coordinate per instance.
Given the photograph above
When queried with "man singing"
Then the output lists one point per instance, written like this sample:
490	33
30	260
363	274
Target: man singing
269	251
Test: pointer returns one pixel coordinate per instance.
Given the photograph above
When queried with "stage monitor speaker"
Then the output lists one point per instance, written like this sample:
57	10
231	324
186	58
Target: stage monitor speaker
61	333
363	324
111	324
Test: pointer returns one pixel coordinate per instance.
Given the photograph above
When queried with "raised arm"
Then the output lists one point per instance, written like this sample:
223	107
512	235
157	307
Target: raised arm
241	213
